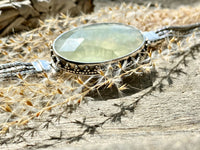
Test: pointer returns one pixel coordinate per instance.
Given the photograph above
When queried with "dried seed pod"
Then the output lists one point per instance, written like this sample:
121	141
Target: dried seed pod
4	52
45	75
19	76
110	85
160	51
150	53
8	108
59	91
80	81
173	40
4	130
169	47
37	114
25	122
101	73
1	94
123	87
119	65
28	102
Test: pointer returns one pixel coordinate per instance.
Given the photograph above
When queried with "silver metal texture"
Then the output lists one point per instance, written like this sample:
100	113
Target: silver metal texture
93	68
41	65
13	69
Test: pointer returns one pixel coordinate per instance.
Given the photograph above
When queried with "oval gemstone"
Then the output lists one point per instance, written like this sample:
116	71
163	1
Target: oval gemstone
98	43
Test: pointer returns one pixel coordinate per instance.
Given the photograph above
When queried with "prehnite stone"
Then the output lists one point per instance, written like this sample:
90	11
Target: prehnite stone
98	43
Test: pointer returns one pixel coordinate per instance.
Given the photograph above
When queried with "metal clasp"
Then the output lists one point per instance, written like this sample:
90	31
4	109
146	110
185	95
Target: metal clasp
151	36
41	65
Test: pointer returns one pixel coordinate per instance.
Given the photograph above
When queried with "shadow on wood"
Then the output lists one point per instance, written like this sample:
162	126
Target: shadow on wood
134	83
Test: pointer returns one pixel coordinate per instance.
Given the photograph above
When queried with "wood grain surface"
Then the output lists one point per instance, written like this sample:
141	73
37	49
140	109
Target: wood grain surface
162	116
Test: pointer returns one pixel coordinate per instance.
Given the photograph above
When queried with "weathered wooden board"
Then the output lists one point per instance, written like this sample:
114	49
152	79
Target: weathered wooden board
165	119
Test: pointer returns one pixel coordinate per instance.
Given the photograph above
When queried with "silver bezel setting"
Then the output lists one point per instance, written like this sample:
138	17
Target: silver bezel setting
94	67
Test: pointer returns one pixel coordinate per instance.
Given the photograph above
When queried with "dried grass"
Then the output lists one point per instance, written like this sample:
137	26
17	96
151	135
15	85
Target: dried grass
28	101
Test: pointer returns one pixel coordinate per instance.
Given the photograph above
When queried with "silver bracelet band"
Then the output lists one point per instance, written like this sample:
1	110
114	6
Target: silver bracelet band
11	70
172	31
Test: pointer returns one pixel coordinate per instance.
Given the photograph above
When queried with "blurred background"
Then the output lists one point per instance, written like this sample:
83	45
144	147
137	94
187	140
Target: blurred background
23	15
164	3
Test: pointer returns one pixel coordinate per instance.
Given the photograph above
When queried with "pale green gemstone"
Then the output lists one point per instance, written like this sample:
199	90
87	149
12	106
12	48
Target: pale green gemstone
98	43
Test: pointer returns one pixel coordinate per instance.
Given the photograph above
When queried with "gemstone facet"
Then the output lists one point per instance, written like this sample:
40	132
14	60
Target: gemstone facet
98	43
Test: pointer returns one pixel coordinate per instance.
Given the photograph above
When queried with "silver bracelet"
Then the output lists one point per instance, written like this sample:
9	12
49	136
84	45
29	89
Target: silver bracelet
71	49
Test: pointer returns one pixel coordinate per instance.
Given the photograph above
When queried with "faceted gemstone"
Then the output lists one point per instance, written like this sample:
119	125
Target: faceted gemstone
98	42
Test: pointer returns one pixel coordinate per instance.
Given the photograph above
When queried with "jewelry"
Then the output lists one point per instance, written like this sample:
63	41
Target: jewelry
88	49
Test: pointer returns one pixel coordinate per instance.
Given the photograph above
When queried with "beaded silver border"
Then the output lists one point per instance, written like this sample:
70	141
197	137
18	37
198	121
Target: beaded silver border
93	68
